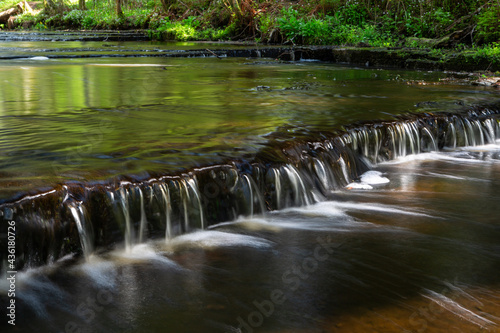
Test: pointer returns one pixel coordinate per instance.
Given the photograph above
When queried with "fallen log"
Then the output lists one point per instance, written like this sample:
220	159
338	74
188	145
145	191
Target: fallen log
5	15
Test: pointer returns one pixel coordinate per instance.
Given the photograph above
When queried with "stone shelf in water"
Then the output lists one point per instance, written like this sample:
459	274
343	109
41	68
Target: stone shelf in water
85	218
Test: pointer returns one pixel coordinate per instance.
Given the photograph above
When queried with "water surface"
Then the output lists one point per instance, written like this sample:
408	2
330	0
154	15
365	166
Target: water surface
419	253
97	118
411	246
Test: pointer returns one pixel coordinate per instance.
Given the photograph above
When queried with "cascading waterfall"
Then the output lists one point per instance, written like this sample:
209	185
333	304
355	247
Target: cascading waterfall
123	201
144	221
302	174
165	195
84	228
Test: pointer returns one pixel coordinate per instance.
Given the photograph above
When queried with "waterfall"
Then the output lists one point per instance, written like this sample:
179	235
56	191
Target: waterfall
123	199
298	173
144	221
84	228
165	195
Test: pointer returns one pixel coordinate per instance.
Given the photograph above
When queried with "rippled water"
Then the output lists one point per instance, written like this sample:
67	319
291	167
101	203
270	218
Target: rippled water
96	118
410	246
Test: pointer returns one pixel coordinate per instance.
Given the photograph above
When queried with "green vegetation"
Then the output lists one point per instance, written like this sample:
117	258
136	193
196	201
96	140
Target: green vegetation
6	4
489	24
474	24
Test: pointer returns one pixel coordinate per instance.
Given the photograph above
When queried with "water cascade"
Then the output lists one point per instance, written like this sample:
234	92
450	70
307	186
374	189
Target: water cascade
75	218
84	230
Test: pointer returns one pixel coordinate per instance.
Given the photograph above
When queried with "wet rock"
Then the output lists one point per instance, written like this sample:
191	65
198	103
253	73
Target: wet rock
488	82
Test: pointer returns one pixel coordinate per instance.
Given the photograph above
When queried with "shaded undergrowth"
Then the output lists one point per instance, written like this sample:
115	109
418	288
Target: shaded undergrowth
472	25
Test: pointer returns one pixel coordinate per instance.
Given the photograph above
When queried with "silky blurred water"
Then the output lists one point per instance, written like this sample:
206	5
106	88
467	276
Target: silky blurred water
416	254
410	247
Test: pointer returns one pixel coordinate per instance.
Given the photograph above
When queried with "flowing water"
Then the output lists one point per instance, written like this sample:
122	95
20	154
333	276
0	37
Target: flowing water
161	194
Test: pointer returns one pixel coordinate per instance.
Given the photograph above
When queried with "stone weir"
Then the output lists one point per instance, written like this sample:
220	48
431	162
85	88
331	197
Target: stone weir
82	219
389	57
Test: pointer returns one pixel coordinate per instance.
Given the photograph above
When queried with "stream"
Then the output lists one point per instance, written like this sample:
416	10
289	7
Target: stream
157	187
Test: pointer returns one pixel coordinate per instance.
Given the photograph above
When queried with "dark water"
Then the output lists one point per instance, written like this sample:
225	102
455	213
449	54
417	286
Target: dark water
410	246
417	254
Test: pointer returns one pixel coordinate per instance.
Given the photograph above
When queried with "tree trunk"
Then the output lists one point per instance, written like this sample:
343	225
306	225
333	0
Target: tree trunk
81	5
119	11
24	7
10	23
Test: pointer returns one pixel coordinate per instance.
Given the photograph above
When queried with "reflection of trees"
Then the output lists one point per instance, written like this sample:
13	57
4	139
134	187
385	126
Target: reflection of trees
53	114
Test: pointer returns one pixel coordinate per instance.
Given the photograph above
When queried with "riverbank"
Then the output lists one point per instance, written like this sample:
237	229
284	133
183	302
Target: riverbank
428	38
478	63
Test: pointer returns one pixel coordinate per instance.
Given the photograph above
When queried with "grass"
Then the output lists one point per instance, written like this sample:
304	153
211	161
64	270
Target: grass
6	4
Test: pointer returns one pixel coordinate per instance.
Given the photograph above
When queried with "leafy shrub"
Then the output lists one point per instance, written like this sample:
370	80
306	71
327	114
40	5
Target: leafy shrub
353	14
40	26
266	24
329	30
183	30
429	25
73	18
312	30
488	24
289	24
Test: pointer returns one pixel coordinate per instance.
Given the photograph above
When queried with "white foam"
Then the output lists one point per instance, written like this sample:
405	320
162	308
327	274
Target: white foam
102	272
368	179
373	178
325	208
455	155
36	289
250	223
482	148
142	252
38	58
416	157
358	186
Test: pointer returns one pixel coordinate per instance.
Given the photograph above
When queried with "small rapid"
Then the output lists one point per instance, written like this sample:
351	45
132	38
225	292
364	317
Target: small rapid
83	219
419	252
158	187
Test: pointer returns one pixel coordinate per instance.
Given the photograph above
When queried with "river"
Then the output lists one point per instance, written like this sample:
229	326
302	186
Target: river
156	192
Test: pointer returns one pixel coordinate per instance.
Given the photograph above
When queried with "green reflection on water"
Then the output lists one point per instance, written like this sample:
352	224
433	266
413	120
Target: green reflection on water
92	119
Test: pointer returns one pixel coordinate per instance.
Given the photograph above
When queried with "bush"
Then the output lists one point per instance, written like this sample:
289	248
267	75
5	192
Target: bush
488	24
303	30
353	14
429	25
329	30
